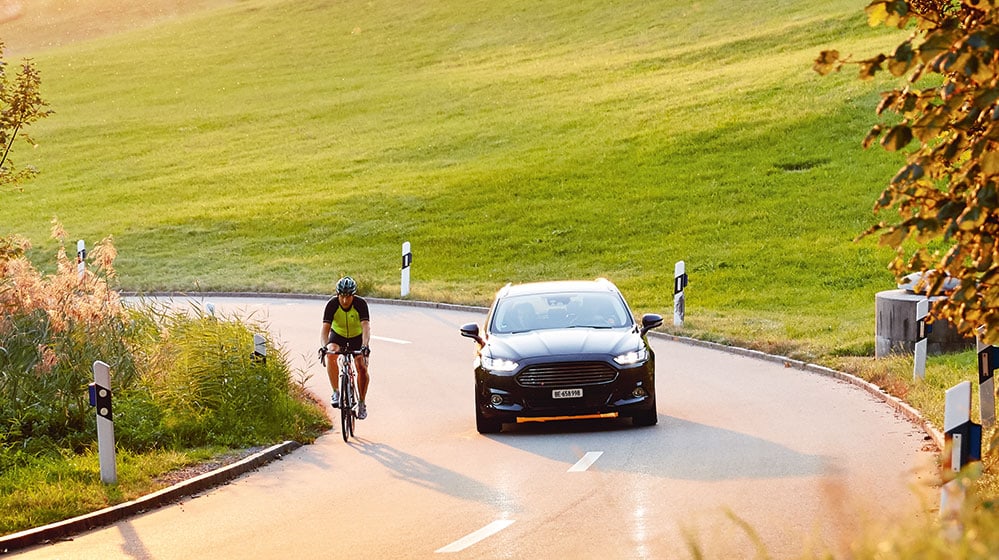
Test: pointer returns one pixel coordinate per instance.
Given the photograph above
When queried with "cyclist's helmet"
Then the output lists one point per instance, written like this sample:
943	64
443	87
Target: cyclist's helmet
346	286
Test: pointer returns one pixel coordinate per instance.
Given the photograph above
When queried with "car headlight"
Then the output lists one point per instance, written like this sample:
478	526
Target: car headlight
498	364
632	358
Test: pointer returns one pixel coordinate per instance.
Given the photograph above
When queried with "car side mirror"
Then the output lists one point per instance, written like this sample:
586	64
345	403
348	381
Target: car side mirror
471	330
651	321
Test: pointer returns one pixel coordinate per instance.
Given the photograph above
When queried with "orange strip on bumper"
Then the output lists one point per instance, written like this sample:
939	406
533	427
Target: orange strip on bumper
523	420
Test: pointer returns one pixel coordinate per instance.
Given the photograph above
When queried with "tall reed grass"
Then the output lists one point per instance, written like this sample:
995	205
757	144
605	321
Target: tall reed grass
52	329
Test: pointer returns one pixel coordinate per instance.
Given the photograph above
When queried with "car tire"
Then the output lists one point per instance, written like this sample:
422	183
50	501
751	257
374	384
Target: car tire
485	425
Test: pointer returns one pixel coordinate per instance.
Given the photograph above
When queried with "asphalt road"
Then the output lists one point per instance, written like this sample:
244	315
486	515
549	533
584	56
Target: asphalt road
806	462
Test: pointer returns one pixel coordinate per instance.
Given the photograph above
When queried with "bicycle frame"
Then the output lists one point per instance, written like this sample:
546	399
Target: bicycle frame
348	389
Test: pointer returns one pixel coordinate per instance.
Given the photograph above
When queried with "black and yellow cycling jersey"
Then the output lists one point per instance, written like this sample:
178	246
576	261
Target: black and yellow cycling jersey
346	322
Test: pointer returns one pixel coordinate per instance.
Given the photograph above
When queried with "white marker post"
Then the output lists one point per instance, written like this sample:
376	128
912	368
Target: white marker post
922	329
81	259
407	261
100	397
963	445
988	360
259	349
679	302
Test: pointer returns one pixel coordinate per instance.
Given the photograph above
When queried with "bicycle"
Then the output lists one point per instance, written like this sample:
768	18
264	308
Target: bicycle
348	388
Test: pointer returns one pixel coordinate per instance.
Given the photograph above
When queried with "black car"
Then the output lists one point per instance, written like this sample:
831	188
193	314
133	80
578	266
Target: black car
561	350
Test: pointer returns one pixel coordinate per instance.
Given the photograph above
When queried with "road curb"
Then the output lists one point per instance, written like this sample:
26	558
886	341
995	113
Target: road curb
64	529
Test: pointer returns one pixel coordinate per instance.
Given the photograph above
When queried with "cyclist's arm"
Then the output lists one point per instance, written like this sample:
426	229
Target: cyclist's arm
365	333
325	335
328	313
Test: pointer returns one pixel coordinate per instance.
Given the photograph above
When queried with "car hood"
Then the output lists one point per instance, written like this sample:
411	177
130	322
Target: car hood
563	342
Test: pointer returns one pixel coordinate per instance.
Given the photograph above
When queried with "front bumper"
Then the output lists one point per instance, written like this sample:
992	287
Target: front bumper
499	396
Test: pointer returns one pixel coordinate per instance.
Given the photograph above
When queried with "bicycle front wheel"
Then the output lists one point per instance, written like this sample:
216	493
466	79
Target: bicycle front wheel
345	422
351	419
346	409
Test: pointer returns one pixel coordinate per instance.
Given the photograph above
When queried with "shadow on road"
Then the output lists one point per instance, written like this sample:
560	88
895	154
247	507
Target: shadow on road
675	449
132	545
420	472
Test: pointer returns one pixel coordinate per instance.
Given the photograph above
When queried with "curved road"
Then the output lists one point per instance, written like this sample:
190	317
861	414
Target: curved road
807	462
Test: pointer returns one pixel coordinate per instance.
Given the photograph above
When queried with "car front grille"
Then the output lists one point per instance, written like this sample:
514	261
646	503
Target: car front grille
566	375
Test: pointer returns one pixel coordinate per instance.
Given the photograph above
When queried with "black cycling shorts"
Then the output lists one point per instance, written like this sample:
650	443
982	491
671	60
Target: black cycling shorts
353	343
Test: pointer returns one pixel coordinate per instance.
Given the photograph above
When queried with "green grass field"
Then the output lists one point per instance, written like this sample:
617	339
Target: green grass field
272	145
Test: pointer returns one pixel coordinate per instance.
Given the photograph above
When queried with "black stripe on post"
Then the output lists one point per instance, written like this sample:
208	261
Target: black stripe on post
680	282
923	329
971	445
100	397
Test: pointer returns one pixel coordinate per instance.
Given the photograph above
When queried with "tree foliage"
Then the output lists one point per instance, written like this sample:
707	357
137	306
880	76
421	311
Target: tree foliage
20	105
944	116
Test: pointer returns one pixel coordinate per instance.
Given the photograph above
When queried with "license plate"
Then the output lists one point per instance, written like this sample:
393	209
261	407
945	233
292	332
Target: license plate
567	393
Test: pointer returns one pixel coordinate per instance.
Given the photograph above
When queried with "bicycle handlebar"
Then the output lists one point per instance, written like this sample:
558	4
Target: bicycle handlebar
323	351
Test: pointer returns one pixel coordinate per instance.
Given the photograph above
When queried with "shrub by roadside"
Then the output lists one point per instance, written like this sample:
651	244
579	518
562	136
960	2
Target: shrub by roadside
185	388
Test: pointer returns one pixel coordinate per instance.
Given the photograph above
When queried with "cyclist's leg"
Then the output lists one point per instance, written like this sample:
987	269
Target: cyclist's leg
360	368
332	368
332	371
361	362
345	386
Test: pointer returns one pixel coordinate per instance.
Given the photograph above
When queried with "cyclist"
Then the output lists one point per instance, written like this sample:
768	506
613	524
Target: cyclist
346	323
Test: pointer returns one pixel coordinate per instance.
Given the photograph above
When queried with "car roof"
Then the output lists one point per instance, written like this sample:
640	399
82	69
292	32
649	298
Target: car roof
558	286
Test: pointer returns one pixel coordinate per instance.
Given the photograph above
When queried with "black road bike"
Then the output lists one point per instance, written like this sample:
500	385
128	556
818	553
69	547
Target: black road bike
348	388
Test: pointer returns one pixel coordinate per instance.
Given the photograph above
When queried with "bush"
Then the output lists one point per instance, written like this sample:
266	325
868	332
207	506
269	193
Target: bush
212	391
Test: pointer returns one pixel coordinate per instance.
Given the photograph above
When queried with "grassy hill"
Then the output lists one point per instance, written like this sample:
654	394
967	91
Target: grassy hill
273	145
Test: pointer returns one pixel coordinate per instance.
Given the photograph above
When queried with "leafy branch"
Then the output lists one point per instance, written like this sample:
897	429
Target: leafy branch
947	124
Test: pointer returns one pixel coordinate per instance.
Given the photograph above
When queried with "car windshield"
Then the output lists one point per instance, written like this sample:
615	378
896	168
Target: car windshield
558	311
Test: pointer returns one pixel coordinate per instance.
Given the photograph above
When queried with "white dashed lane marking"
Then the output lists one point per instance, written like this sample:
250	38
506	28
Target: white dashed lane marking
472	538
393	340
586	462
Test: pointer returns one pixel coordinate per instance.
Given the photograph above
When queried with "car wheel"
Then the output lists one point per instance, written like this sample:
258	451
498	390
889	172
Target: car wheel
485	425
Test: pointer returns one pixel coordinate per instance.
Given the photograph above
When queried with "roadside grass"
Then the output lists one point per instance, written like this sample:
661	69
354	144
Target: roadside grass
272	145
51	488
975	538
